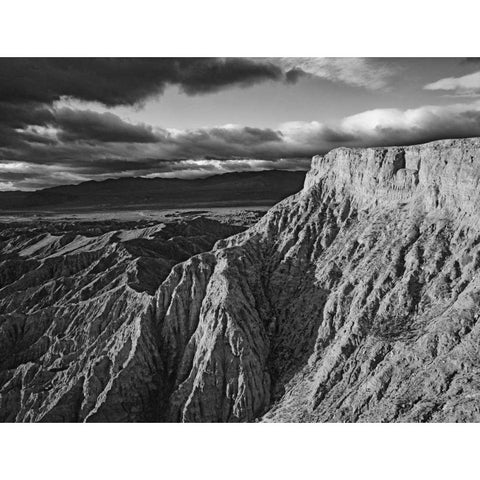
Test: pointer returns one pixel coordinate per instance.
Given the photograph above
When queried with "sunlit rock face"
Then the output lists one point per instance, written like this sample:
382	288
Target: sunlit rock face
355	300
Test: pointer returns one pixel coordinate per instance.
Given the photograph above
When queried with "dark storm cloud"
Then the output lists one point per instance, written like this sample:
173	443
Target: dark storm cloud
117	81
225	142
32	137
20	115
15	117
102	127
29	88
206	76
236	136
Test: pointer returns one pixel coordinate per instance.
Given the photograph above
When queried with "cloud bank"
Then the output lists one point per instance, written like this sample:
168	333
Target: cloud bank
73	145
43	142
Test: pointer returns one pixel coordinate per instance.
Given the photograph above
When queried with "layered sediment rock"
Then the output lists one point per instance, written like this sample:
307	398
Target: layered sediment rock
356	299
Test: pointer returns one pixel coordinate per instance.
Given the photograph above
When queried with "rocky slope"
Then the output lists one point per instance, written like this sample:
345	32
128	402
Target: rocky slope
355	300
73	329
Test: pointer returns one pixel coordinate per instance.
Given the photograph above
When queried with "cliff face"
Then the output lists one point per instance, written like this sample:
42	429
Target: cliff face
356	299
442	174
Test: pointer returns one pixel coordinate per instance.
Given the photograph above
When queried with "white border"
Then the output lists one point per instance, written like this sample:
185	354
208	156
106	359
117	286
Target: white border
263	451
246	28
239	28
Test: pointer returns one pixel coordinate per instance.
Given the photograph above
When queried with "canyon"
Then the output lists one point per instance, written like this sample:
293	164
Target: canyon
354	300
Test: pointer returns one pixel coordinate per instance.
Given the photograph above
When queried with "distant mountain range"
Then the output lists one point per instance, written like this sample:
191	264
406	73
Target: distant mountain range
263	188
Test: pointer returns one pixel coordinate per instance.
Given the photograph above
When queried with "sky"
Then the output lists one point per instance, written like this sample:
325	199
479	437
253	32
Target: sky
65	121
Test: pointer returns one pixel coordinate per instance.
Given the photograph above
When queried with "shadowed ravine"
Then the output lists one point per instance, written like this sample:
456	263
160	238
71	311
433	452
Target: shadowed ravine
355	300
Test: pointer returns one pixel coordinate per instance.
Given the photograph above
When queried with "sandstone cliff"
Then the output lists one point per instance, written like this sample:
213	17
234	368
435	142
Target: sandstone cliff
356	299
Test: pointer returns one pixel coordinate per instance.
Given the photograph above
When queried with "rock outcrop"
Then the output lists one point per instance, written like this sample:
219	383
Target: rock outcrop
355	300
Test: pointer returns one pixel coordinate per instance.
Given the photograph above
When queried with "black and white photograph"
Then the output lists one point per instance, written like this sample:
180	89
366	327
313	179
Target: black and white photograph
239	239
181	243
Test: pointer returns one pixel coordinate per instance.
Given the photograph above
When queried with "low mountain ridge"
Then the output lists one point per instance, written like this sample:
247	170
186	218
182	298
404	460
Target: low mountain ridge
231	189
